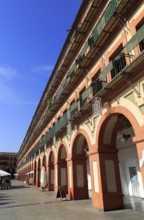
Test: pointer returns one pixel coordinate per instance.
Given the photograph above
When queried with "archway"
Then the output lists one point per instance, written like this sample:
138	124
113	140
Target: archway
35	172
44	161
131	179
51	172
43	177
81	169
119	163
38	171
62	168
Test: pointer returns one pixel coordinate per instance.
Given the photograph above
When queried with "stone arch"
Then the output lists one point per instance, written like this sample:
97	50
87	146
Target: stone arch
38	171
62	167
80	165
62	153
34	169
63	144
44	160
51	179
117	110
52	151
75	137
115	159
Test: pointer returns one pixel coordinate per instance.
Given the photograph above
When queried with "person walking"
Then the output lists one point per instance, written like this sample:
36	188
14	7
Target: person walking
43	178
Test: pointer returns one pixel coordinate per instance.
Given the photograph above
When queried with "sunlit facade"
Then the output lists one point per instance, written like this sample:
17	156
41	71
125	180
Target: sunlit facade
8	162
88	129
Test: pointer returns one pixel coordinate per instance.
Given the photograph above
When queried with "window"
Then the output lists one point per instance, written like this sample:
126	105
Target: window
141	44
73	108
85	96
96	83
64	119
83	101
118	61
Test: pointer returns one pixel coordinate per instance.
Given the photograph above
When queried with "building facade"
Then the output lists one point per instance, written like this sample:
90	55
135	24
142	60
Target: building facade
8	162
88	129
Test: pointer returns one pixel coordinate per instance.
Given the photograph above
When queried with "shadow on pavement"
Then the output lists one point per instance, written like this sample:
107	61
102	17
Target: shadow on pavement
19	187
5	203
4	195
3	199
133	203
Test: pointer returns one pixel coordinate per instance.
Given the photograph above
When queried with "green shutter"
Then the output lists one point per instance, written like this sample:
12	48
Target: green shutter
73	36
72	69
84	49
108	13
73	106
86	93
135	40
106	71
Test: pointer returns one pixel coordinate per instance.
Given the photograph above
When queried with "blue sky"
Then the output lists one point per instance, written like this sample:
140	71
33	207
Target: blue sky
32	34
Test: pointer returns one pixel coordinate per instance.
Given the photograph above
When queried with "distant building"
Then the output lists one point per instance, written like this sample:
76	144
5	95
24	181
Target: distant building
88	128
8	162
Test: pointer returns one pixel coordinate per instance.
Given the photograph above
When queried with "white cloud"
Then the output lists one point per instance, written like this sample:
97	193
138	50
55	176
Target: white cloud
9	96
9	93
43	69
7	72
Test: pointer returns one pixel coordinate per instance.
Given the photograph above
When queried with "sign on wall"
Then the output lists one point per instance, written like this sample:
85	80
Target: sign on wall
97	106
69	128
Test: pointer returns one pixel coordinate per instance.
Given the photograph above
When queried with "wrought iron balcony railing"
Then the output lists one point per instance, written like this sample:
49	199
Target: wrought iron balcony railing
105	18
117	65
85	96
73	108
123	64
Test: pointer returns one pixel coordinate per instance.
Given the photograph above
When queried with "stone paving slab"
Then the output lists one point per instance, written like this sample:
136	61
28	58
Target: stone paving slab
25	202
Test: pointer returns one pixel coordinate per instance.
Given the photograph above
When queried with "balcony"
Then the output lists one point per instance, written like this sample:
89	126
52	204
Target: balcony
73	108
85	96
123	64
97	85
61	123
105	18
99	35
74	71
77	36
117	69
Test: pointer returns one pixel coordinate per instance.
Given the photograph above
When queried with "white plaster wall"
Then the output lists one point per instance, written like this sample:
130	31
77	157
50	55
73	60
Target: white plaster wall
127	157
89	179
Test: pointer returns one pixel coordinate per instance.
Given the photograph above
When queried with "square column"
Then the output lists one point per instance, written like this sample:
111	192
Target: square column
51	177
106	184
70	178
55	177
62	175
38	177
77	179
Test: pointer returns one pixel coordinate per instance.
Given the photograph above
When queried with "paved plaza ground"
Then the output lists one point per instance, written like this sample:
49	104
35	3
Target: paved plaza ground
24	202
